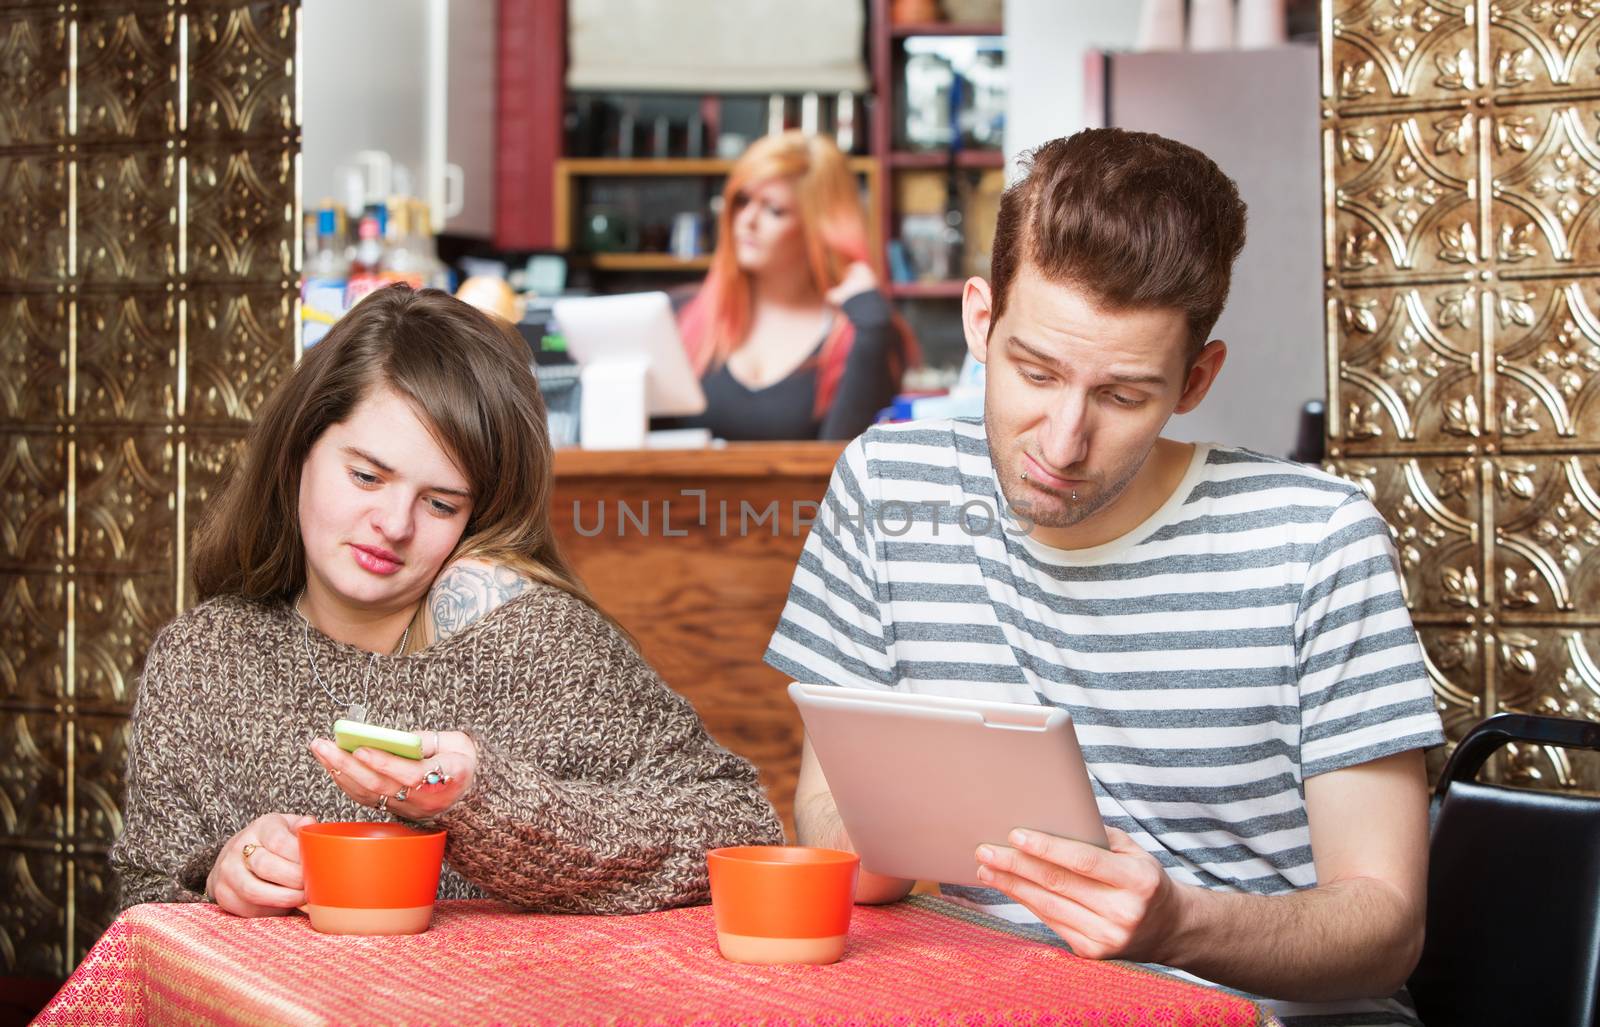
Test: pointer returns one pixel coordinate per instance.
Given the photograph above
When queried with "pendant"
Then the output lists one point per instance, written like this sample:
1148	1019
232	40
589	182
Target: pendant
357	713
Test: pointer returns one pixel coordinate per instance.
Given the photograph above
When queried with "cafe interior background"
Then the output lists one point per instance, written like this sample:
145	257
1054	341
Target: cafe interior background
1416	306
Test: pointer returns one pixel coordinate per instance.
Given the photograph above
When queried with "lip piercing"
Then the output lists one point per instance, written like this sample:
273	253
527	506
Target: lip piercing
1074	491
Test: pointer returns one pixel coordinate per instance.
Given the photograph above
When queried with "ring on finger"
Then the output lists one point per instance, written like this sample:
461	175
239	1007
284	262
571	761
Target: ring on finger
383	803
245	854
400	796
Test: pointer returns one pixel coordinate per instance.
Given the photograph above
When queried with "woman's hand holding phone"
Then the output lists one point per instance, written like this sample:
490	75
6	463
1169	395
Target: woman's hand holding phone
413	789
257	873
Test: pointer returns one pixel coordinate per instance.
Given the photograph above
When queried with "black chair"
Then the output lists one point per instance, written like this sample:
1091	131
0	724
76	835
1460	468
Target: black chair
1513	891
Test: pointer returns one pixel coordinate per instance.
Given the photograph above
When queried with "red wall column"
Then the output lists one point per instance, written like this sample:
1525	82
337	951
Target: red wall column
531	68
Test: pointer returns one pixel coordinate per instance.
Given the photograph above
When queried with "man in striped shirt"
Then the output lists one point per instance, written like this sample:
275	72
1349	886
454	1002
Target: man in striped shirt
1227	629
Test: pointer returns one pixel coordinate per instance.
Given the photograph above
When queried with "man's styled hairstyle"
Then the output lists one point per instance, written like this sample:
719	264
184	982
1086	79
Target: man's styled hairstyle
1136	219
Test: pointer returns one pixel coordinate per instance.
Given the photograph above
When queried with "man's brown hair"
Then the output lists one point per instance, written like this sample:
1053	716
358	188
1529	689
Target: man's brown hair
1137	219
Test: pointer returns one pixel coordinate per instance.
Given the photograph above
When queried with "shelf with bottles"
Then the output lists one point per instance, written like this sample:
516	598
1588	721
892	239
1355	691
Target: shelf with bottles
943	17
936	159
392	241
944	289
938	127
676	126
947	93
942	230
654	214
648	262
688	167
639	185
905	30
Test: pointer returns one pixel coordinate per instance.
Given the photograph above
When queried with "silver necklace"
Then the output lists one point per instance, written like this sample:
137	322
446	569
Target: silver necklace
356	711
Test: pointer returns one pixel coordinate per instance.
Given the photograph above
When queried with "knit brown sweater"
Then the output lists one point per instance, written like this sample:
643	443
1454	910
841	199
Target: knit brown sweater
597	789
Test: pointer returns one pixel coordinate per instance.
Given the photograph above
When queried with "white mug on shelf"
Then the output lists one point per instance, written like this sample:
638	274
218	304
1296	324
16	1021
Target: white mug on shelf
1160	25
1261	24
1211	25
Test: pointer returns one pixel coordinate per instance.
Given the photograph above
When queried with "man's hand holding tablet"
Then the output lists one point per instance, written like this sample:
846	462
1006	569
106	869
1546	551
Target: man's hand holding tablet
920	782
1115	903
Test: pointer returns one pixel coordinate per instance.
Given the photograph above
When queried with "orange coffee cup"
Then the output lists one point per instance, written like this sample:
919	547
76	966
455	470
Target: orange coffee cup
782	903
370	878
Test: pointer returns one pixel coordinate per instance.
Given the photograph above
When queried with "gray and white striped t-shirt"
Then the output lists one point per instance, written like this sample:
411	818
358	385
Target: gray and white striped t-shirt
1249	634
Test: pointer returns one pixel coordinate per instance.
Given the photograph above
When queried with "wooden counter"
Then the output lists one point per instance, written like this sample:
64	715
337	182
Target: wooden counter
702	598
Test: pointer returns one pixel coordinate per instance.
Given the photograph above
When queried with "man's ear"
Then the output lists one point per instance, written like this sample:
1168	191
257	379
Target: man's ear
977	307
1202	375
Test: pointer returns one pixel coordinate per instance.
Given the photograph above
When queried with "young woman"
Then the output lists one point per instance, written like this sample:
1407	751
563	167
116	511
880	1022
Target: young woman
791	336
384	551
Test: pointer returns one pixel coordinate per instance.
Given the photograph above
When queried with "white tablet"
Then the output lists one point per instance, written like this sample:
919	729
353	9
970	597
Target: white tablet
635	326
921	781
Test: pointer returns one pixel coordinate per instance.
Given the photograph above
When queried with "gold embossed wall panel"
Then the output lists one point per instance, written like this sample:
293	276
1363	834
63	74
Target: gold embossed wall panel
1461	154
148	154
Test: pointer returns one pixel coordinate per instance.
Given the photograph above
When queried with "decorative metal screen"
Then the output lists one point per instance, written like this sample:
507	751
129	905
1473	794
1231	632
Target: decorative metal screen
1461	193
148	158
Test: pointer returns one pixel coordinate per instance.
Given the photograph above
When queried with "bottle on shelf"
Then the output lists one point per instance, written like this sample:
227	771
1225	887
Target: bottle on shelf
366	269
355	203
421	263
844	121
327	274
308	237
327	259
443	277
402	262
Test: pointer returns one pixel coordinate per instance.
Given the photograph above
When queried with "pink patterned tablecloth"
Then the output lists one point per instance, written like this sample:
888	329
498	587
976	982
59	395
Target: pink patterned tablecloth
922	961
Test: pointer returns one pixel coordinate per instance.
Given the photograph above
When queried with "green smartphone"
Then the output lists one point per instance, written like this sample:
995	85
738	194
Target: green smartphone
352	735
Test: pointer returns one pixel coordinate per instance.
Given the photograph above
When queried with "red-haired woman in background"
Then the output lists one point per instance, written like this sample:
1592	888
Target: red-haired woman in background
790	334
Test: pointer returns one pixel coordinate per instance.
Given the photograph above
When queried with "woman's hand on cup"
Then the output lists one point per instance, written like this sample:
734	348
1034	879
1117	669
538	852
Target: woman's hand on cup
858	278
413	789
257	873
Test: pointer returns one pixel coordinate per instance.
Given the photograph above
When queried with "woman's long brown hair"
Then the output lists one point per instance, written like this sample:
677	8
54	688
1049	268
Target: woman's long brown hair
467	376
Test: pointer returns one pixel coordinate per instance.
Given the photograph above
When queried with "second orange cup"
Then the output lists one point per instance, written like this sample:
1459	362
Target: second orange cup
782	903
